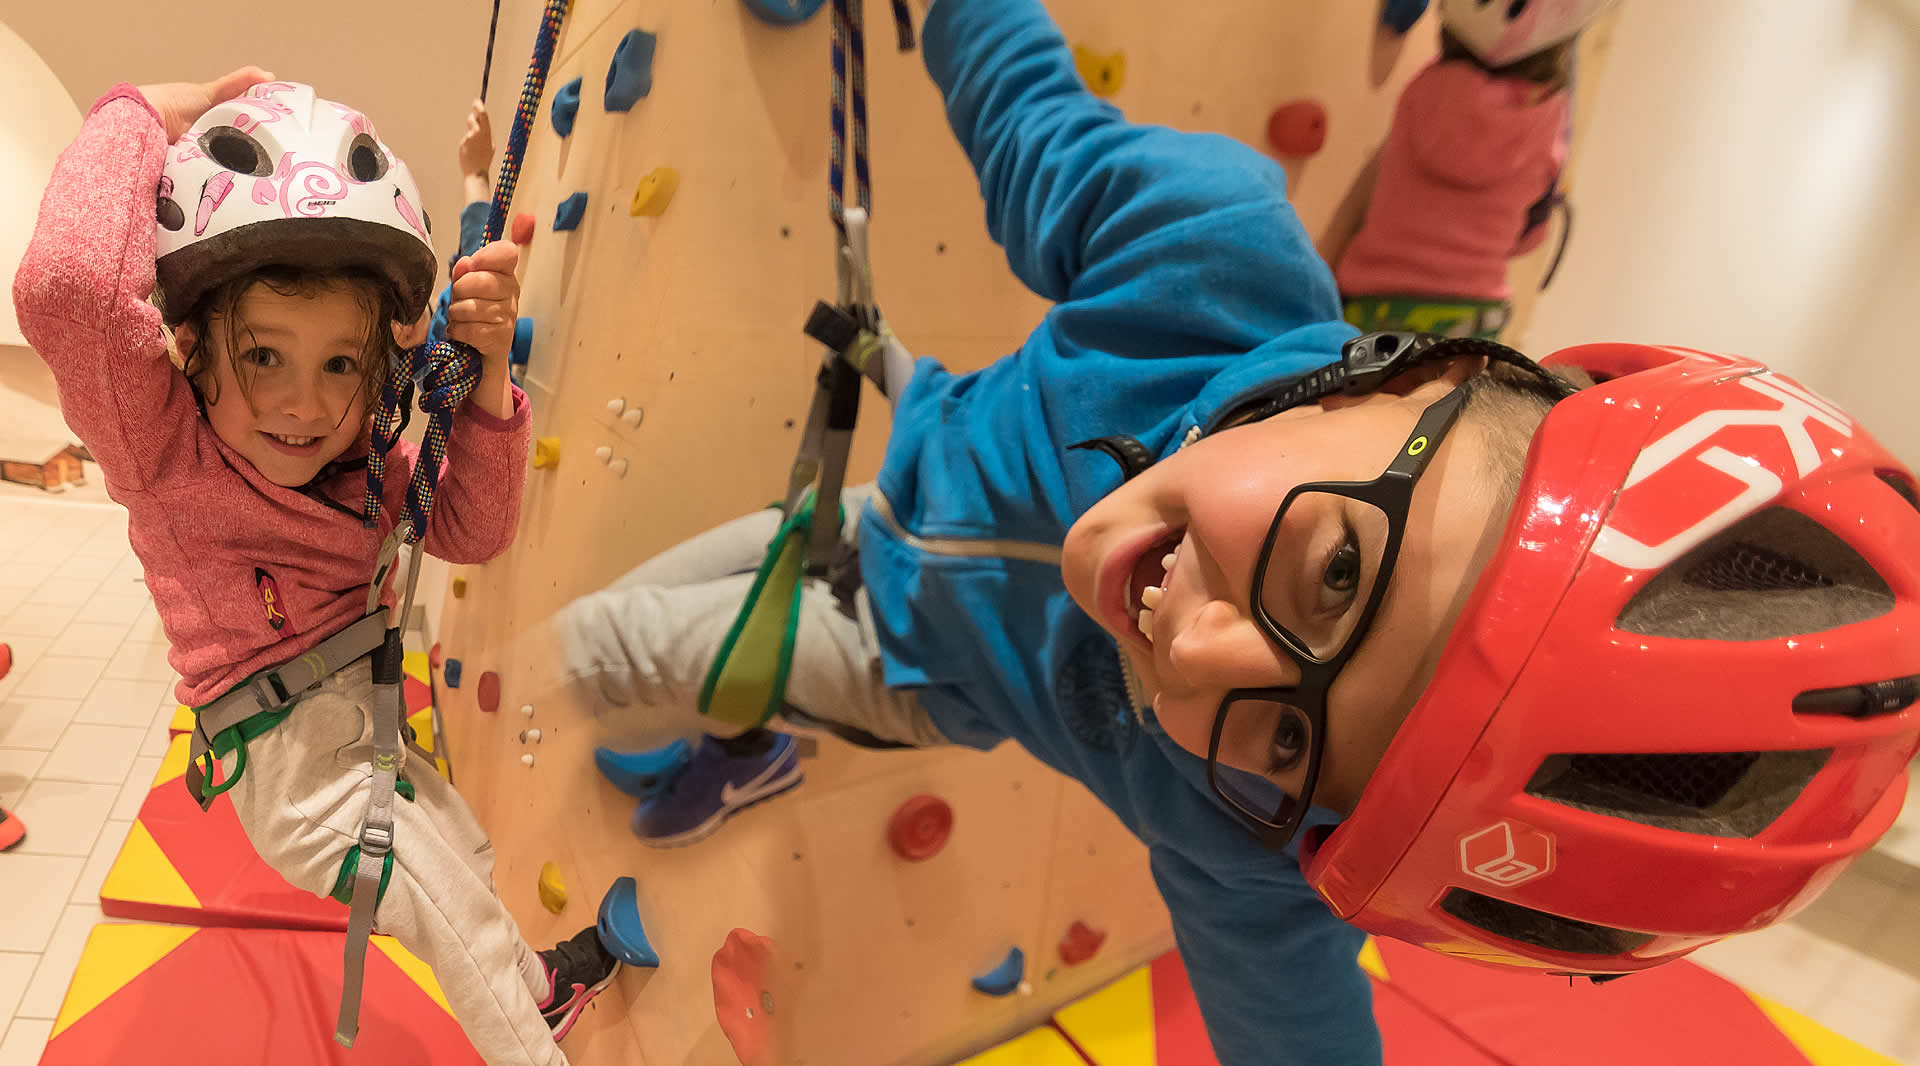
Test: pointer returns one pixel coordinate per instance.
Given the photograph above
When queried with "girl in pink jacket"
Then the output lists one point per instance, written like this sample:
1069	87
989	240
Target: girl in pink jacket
287	251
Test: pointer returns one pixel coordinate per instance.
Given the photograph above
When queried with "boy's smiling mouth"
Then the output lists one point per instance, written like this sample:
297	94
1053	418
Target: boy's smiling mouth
1133	580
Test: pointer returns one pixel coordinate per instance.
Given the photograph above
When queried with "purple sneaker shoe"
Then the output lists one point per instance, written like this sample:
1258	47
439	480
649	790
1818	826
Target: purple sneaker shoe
722	777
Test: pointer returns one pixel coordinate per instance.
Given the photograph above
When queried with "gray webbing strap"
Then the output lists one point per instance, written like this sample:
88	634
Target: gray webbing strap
272	689
376	829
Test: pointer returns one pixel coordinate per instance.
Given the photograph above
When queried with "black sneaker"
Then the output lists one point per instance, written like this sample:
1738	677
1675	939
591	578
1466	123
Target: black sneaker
579	969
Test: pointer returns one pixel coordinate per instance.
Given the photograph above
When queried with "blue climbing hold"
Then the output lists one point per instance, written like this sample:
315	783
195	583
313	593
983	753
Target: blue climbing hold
642	773
522	342
1400	15
784	12
1004	979
566	104
620	929
452	673
572	210
630	75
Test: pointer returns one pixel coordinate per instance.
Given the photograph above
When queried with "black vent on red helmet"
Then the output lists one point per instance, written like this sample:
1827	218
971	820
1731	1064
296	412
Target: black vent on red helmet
1902	486
1538	928
1775	573
1720	794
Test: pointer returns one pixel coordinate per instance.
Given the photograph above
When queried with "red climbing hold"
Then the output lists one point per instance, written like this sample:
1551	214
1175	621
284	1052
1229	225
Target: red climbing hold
920	827
433	657
743	997
489	691
1298	128
1080	943
523	228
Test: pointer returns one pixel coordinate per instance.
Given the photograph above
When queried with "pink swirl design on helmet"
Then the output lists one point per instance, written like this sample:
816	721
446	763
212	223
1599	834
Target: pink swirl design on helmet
322	185
211	195
355	121
190	153
269	88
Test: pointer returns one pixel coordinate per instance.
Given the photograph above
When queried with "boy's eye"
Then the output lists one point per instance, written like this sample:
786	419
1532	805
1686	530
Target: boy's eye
343	364
1289	743
260	357
1342	575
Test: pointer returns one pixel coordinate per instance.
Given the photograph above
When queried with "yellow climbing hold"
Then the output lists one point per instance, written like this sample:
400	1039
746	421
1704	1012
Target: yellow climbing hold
553	891
546	453
655	192
459	587
1104	74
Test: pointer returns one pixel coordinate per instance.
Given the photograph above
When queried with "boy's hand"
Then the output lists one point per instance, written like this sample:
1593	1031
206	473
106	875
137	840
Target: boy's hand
476	148
486	303
181	103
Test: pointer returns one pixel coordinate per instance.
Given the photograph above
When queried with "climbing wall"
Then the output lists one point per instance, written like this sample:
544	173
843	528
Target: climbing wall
668	365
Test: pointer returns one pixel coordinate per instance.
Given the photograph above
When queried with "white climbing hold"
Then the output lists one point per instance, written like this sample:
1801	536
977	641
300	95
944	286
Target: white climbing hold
530	735
527	759
527	709
616	405
633	416
603	453
619	467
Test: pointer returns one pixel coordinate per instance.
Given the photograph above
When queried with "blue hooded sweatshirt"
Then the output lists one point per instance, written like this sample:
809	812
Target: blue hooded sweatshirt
1184	285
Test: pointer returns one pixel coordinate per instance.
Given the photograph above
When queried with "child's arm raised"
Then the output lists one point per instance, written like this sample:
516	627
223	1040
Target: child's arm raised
1089	205
81	290
1274	972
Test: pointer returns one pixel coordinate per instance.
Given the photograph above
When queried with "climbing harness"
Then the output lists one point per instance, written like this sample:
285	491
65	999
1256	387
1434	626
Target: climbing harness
746	685
445	373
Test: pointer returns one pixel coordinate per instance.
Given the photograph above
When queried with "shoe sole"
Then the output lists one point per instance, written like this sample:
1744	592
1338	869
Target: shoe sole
579	1003
763	793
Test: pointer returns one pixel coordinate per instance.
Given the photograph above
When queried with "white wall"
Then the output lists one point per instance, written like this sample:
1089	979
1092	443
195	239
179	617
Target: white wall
37	122
1750	182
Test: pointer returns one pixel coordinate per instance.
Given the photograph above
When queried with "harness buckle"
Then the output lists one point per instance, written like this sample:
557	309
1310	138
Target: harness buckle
376	840
269	680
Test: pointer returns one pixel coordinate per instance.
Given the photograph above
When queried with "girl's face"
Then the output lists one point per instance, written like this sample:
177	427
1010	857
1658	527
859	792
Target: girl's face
1207	508
289	395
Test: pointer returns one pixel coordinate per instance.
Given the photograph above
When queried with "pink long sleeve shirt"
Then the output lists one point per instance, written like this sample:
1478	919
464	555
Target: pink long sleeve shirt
1468	153
214	536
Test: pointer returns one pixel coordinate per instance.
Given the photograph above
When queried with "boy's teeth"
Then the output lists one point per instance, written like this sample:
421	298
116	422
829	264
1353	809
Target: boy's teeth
1145	621
1150	596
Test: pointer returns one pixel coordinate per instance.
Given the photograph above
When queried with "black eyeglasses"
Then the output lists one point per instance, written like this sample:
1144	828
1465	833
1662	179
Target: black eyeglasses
1340	540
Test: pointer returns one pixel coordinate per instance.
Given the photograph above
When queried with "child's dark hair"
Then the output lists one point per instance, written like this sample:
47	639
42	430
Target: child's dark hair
374	294
1508	404
1551	67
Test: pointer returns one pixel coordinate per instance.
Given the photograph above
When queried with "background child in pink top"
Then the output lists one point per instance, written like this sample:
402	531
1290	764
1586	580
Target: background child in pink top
1459	187
239	453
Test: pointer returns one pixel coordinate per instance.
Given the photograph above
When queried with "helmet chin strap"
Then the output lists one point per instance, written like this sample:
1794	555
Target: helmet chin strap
1366	363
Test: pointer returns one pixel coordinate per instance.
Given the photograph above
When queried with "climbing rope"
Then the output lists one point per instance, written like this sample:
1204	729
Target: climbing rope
530	93
849	86
447	372
486	70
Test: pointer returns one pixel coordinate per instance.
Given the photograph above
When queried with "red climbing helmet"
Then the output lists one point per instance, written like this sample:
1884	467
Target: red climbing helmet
1680	699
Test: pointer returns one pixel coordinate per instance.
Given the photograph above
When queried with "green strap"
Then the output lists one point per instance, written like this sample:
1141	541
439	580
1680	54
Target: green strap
234	739
747	682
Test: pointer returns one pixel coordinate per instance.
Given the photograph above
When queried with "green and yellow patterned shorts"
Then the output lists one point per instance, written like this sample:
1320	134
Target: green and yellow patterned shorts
1424	314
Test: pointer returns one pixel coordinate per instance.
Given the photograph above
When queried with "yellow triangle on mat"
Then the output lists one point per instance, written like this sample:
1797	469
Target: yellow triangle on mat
422	723
419	972
174	766
1821	1045
414	665
1114	1026
114	955
182	719
1371	961
1041	1047
143	872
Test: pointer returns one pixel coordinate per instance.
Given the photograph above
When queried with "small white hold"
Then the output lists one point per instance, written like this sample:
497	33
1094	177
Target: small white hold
529	736
527	709
1026	988
527	759
603	453
634	416
616	405
619	466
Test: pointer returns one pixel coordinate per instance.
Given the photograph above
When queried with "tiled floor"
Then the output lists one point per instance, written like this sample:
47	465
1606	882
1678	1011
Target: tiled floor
83	721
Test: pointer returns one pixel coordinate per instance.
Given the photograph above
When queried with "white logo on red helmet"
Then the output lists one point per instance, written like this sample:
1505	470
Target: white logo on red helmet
1706	508
1506	854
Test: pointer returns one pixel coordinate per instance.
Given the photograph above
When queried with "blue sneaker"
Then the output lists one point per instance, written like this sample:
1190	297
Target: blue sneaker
715	784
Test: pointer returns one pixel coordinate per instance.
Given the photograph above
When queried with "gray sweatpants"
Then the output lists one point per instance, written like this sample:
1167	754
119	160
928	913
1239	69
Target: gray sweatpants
644	643
301	802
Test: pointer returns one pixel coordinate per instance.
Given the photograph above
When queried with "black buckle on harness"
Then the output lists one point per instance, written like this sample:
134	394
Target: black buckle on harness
270	680
833	327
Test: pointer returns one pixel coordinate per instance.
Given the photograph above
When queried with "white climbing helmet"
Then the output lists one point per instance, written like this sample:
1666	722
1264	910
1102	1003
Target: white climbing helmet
278	175
1500	32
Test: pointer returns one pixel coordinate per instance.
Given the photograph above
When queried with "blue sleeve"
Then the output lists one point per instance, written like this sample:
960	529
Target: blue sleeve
1275	973
473	227
1093	208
